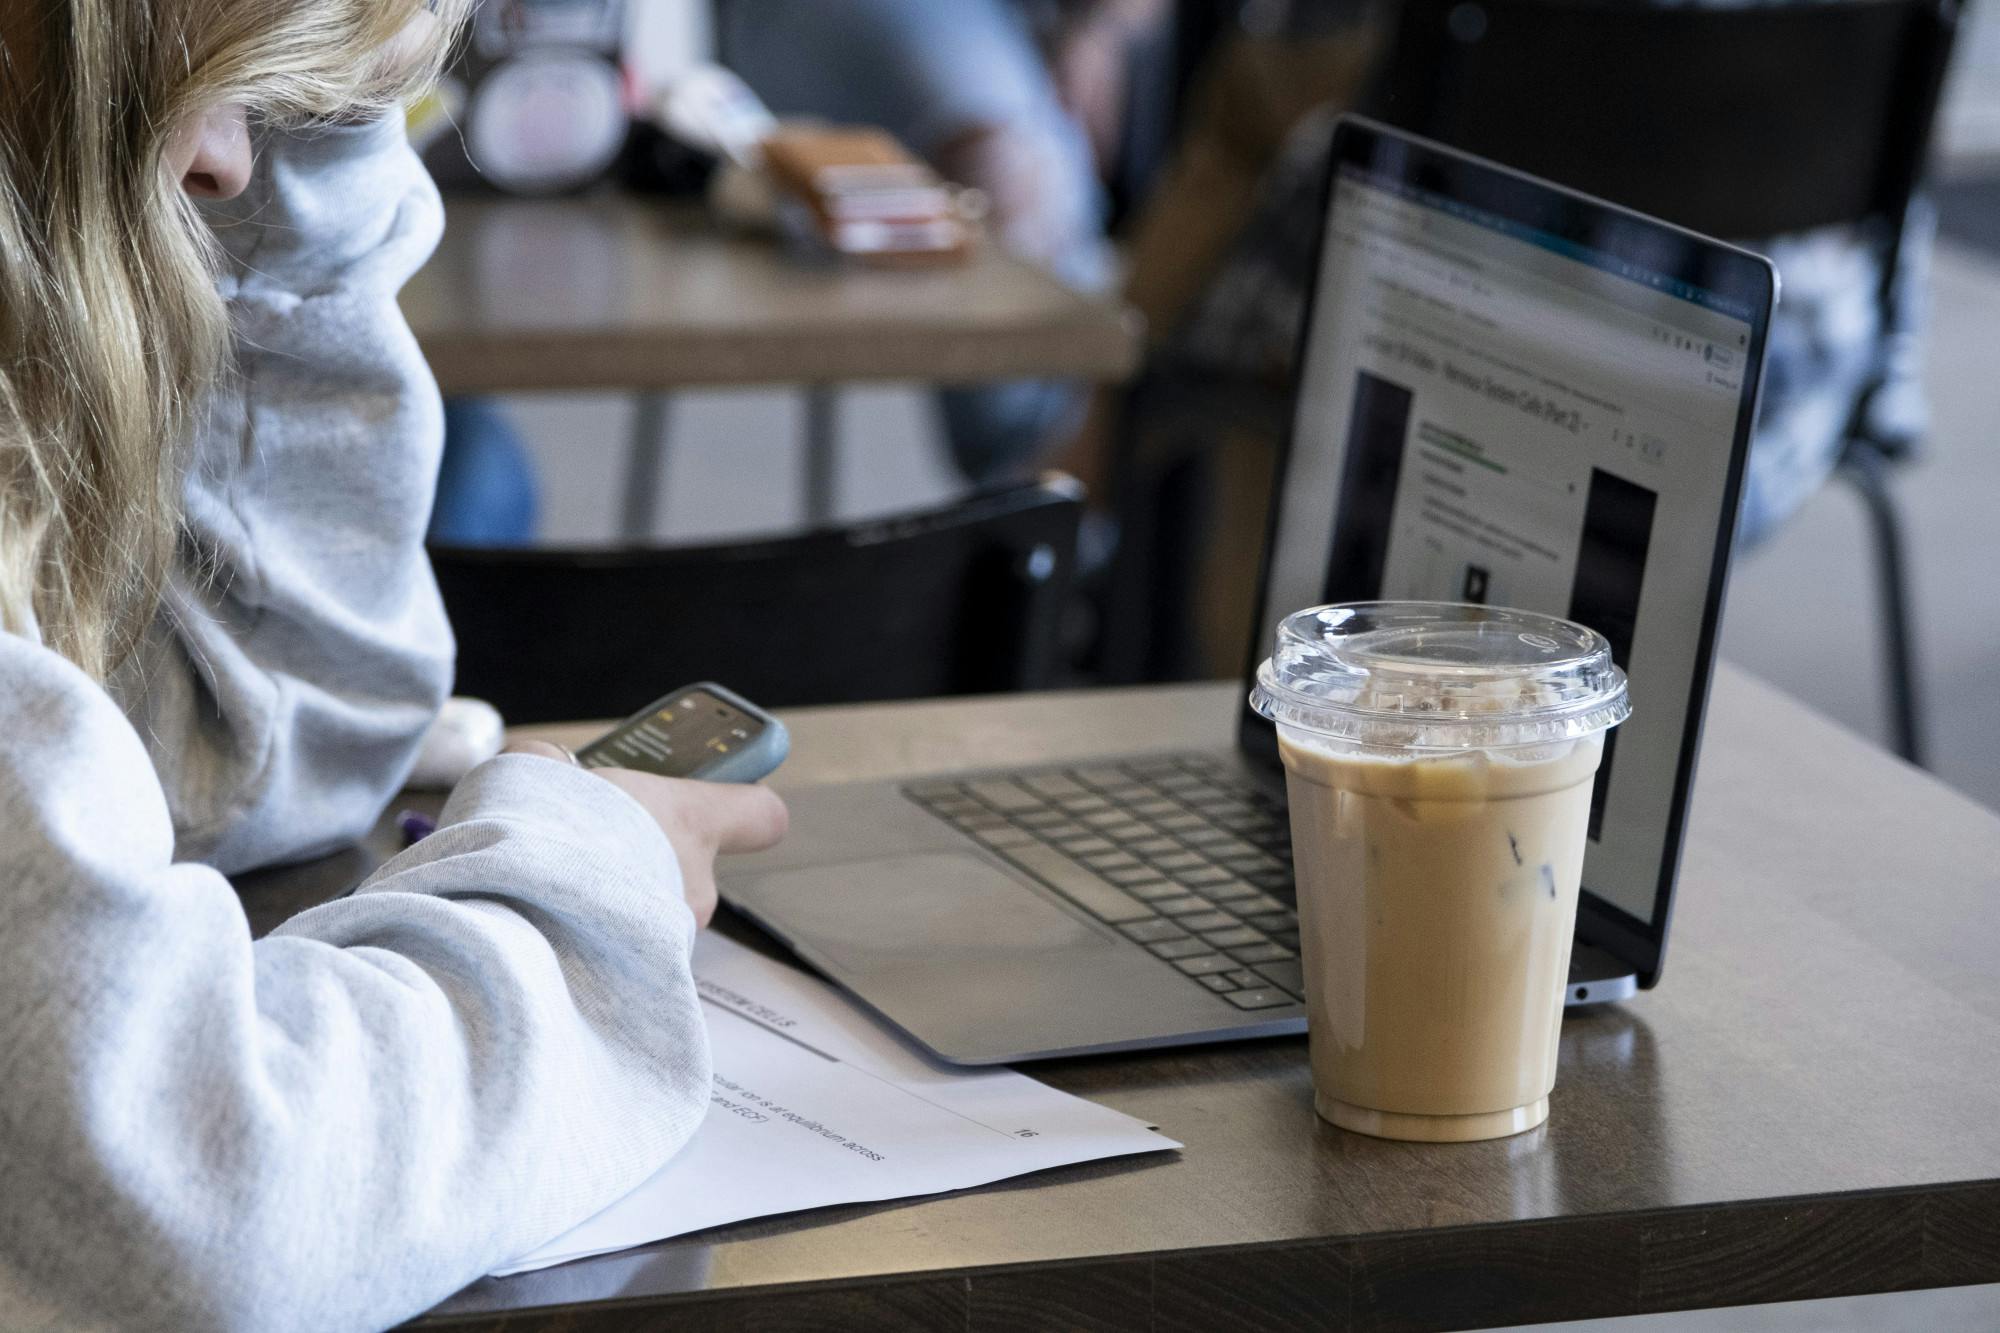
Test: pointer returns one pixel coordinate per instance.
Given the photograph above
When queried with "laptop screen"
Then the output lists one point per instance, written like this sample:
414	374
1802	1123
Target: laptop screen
1514	395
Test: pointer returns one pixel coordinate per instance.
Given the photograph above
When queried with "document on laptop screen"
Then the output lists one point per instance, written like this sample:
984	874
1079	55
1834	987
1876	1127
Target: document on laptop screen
1511	419
814	1103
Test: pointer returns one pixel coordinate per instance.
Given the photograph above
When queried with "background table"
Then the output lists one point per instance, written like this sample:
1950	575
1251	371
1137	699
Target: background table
1806	1107
610	292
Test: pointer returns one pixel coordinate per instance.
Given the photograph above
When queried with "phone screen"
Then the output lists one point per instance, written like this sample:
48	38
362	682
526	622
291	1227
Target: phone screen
687	733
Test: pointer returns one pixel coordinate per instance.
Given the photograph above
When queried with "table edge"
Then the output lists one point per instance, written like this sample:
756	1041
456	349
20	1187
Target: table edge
1548	1269
1100	349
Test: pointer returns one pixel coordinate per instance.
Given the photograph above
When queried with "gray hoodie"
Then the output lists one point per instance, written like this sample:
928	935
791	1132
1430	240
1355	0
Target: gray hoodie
341	1124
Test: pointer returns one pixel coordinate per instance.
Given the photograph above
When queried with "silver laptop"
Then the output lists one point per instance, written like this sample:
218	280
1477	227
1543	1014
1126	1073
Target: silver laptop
1508	393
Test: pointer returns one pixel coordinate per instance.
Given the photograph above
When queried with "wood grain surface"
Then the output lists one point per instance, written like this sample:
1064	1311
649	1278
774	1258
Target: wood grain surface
1805	1107
609	292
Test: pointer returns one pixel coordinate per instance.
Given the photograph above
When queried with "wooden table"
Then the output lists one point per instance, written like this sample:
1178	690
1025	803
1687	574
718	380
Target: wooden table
1808	1106
610	292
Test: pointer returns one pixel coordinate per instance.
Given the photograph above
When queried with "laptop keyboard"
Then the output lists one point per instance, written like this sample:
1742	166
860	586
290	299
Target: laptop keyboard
1179	854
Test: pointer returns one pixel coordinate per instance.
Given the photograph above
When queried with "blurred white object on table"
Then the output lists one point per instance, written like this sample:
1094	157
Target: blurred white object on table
465	733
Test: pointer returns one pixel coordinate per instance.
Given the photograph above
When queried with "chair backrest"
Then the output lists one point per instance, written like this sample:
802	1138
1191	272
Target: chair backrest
964	599
1738	121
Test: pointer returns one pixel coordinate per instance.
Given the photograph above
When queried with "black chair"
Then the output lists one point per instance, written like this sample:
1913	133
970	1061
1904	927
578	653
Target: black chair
1163	481
1739	122
960	600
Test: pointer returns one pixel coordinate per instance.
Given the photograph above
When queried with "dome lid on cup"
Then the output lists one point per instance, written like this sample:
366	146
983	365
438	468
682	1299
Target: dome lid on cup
1439	676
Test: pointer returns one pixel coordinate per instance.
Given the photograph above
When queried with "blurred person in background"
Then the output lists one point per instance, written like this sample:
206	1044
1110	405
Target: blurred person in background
1221	264
1020	100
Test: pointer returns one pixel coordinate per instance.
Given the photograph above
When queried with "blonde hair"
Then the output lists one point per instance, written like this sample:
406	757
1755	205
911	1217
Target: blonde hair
110	326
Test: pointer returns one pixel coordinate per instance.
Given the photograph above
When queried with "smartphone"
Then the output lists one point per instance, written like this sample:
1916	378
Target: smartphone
699	731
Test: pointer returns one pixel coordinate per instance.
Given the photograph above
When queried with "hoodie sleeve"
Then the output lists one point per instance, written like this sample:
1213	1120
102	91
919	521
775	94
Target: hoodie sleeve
341	1124
302	648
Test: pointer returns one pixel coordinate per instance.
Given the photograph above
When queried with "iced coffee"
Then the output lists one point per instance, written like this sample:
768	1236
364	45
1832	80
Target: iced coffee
1439	762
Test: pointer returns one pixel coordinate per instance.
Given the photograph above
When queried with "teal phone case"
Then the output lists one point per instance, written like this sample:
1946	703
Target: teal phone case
752	762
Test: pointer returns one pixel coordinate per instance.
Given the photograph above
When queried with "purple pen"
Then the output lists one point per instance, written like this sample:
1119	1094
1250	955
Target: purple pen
416	826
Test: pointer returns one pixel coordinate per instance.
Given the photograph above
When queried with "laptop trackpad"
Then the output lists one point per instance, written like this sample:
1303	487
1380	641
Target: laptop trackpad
936	909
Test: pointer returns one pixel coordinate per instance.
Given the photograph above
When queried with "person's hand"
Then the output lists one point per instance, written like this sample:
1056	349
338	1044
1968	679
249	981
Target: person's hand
700	819
1088	58
1012	169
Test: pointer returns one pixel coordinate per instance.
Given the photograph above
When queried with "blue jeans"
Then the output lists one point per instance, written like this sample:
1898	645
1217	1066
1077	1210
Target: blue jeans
486	493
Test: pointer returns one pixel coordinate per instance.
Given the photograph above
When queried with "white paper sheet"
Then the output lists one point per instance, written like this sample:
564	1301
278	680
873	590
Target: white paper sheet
815	1104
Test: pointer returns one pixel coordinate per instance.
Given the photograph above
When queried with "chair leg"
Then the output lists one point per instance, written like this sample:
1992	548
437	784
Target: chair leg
821	455
644	461
1186	503
1146	633
1868	471
1124	619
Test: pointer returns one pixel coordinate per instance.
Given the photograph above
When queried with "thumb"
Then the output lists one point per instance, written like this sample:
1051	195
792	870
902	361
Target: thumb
737	818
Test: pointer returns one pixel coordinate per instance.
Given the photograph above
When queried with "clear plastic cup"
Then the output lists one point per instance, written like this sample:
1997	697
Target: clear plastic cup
1439	761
